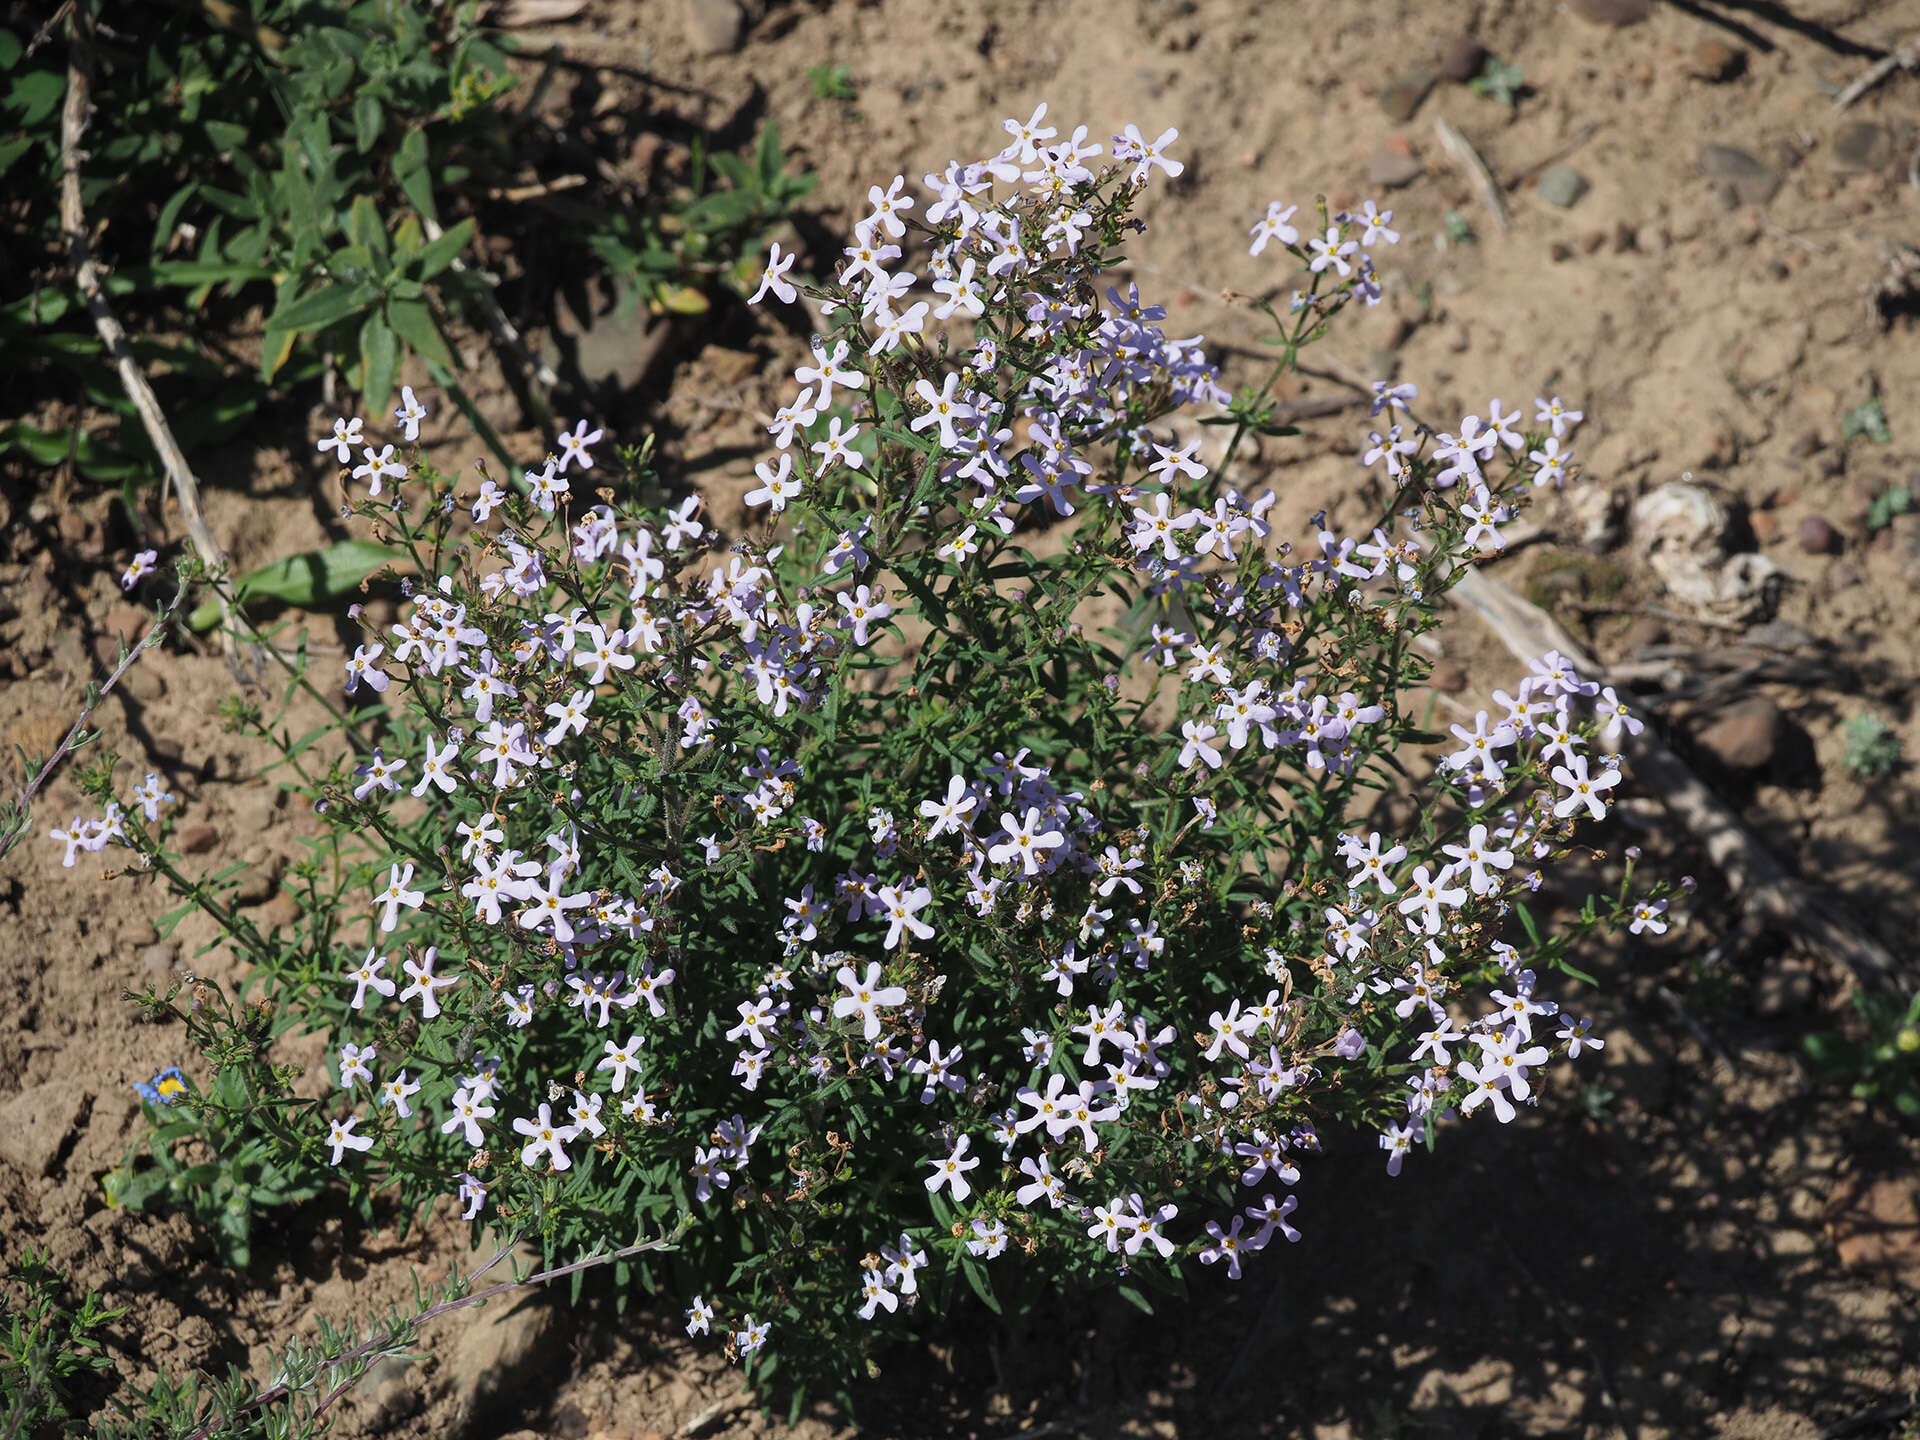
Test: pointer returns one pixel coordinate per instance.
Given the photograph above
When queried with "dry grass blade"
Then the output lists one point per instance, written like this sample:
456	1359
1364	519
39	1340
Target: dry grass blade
1468	159
1907	57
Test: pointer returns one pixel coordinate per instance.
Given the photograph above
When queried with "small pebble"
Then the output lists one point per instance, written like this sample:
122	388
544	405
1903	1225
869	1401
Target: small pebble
1765	526
1449	678
1745	736
159	957
1859	148
1460	59
144	684
1391	167
1817	537
1562	186
1612	12
1752	182
715	27
1716	62
1403	94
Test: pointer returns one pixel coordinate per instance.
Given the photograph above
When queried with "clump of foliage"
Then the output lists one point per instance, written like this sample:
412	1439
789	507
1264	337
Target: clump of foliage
1894	500
1873	749
832	82
1882	1062
291	188
963	884
1868	418
45	1347
1500	80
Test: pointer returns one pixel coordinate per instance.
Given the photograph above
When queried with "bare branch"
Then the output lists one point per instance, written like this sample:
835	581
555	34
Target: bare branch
87	276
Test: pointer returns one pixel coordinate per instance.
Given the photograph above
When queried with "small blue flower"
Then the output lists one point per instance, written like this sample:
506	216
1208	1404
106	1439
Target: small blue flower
167	1087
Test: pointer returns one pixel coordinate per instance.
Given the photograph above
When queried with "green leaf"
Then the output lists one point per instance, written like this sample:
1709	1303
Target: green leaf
413	322
978	1280
315	310
12	149
170	216
437	255
682	299
278	346
133	1188
380	357
1527	922
365	229
306	579
35	96
769	161
224	135
194	272
411	174
369	115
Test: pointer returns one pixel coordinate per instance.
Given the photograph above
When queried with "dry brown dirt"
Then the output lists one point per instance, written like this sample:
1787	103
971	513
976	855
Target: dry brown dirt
1676	1250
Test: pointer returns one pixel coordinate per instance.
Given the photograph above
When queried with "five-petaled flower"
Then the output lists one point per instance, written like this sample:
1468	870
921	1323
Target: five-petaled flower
341	1137
775	279
952	1171
544	1137
865	997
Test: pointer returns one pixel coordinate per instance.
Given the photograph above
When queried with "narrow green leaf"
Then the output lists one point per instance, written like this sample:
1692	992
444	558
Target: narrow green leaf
413	322
364	228
369	115
380	357
315	310
437	255
410	172
1527	922
306	579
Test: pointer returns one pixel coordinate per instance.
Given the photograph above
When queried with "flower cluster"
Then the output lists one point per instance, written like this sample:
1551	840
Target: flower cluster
917	885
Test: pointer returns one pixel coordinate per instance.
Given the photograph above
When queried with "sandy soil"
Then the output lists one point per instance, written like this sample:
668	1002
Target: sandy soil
1656	1254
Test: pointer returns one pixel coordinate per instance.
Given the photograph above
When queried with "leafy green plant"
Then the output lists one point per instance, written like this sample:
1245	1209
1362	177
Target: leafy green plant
955	889
832	82
309	580
1868	418
45	1347
302	187
659	257
1873	749
1894	500
1499	80
1882	1064
214	1155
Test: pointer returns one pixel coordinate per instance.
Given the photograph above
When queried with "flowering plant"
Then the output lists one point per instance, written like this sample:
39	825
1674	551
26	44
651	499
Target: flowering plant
965	881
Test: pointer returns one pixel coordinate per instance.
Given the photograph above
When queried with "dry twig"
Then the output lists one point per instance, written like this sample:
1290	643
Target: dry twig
1468	158
504	330
22	804
87	276
1772	894
514	194
1907	57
